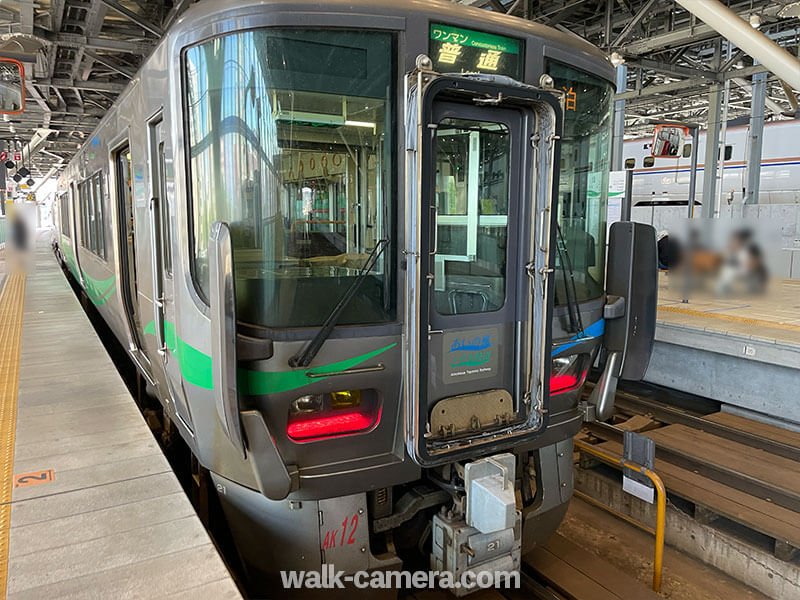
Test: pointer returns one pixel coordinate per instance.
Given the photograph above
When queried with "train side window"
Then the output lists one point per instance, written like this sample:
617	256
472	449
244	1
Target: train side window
630	163
728	152
687	150
64	212
649	161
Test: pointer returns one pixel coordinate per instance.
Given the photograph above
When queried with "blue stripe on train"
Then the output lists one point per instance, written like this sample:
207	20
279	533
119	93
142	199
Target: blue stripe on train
594	330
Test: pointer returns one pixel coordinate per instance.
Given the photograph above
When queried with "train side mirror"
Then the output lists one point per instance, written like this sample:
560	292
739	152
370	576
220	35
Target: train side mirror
668	140
630	312
12	86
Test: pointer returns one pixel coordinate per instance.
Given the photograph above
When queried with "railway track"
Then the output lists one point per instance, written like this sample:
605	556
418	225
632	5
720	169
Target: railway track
687	456
629	403
558	570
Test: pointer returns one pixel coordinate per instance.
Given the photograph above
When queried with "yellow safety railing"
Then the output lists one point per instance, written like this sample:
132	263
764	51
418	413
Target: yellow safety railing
661	503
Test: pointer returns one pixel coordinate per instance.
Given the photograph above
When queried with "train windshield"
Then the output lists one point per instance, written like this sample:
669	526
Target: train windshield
290	143
583	184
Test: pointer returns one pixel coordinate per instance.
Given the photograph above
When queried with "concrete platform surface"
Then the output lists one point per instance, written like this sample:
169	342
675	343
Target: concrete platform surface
112	521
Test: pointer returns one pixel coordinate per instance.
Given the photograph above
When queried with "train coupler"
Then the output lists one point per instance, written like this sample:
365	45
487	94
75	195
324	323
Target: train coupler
486	538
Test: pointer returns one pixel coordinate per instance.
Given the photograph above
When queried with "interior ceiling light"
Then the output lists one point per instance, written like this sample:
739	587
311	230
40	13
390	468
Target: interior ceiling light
755	21
616	59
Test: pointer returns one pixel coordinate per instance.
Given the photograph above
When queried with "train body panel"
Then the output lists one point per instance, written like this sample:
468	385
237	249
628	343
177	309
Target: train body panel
667	179
306	179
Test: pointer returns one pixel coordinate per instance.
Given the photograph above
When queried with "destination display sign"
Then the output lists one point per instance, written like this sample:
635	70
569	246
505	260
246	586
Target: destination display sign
457	50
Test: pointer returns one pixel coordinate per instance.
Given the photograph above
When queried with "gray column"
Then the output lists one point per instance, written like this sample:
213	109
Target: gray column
619	120
711	161
755	138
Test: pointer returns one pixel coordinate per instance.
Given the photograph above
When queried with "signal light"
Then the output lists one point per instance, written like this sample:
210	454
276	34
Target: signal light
568	373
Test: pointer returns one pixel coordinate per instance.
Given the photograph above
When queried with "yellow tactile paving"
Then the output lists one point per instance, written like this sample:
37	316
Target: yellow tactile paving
774	315
731	318
12	299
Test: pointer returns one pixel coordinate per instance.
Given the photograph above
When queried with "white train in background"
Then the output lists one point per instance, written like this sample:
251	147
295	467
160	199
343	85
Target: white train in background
665	181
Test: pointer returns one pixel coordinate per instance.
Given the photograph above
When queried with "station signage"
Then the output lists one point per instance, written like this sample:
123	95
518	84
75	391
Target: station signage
457	50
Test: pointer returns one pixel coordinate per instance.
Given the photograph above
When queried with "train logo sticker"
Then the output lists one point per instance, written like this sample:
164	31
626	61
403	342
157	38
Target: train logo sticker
470	355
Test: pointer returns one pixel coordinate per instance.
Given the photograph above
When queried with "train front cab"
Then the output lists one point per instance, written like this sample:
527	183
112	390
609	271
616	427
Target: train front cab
374	257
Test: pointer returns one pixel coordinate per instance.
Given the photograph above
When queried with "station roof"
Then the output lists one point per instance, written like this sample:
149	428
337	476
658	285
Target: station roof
80	54
672	57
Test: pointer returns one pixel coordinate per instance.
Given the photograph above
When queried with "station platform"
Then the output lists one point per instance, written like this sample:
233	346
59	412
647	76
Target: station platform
89	506
744	353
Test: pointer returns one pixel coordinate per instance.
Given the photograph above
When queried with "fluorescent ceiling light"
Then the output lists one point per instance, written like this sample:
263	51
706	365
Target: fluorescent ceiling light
360	124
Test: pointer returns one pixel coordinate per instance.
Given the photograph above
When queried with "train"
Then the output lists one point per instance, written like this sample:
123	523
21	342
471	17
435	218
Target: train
357	250
665	181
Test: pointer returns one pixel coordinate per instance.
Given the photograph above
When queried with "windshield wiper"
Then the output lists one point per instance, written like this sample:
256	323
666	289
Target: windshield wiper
306	354
574	312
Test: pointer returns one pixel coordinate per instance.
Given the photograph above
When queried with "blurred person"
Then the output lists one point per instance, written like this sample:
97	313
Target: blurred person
743	265
668	251
19	236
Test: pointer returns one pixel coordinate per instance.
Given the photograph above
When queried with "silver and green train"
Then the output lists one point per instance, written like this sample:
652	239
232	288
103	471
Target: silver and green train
358	249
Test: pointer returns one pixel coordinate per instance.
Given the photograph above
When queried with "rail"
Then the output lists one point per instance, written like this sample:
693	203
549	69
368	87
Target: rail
631	403
661	503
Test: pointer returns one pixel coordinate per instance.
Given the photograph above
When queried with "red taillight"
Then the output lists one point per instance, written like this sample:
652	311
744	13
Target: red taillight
568	373
562	383
333	414
341	424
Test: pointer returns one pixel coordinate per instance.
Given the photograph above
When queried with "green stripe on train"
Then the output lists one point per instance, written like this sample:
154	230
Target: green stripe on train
98	290
195	367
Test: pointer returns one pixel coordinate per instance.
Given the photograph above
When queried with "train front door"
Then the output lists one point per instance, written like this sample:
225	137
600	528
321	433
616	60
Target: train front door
481	329
166	330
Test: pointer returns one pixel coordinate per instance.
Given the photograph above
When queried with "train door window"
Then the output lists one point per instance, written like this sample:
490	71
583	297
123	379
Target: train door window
687	150
166	234
92	212
97	196
728	152
472	187
66	230
84	199
630	163
649	161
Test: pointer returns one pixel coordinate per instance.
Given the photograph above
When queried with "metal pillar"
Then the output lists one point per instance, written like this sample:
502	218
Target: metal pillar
694	129
627	202
619	120
712	146
755	138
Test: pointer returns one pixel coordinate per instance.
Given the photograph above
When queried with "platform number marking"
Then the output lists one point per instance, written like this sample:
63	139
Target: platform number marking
34	478
340	537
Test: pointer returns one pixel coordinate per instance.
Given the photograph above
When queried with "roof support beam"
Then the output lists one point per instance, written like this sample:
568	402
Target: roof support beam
773	106
26	16
752	41
674	70
106	62
637	18
94	43
94	86
666	88
132	16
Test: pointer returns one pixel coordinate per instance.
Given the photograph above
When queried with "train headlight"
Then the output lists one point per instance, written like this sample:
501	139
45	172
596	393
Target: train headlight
322	416
568	373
